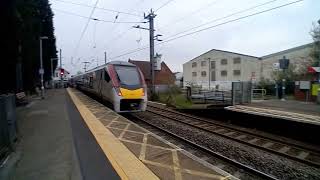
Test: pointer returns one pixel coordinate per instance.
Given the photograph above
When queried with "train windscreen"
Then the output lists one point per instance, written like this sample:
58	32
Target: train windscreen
128	75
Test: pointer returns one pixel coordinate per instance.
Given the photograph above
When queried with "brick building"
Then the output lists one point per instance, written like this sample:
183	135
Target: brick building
163	78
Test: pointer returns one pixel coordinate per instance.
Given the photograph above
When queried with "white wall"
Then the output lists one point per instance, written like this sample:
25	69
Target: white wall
248	65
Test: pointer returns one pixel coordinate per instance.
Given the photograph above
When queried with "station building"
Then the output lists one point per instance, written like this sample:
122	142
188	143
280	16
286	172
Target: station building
217	69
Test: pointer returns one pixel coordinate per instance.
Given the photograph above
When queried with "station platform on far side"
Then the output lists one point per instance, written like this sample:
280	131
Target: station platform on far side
298	111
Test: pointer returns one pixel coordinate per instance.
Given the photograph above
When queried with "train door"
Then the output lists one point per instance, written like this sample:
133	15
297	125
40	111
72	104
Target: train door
106	89
97	82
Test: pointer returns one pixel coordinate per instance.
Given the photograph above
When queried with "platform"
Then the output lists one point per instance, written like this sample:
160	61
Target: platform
133	149
275	112
54	143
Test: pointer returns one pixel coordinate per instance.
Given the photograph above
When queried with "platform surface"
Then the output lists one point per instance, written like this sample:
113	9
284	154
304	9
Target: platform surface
55	143
163	159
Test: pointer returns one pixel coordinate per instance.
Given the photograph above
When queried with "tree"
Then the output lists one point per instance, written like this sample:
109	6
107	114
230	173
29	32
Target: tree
289	74
25	22
315	53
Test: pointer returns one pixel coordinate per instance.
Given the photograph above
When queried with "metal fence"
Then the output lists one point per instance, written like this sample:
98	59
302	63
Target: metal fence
8	124
211	96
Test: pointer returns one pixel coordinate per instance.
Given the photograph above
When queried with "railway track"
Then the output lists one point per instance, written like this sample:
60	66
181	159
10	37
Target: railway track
289	150
235	163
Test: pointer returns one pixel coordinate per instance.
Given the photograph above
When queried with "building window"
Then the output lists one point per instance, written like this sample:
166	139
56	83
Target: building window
224	73
203	63
213	64
194	64
203	73
213	76
237	60
236	72
224	61
194	74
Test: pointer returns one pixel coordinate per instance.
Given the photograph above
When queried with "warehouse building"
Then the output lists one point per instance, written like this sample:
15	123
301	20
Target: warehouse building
217	69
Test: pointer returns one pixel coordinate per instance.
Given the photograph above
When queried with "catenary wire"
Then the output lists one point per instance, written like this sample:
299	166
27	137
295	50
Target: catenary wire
95	19
100	8
85	28
211	27
163	5
224	17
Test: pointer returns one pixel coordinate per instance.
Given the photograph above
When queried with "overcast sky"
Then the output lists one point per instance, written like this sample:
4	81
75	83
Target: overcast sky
258	35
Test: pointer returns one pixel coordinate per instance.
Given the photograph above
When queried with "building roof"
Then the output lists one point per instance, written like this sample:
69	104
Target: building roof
225	52
145	67
288	50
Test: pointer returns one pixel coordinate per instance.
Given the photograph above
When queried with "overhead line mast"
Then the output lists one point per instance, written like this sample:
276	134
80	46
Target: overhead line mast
152	37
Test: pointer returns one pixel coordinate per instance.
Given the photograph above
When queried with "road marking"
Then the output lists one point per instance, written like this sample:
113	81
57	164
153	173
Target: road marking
143	147
176	165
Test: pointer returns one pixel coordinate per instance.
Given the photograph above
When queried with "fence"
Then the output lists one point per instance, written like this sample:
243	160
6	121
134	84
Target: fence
8	126
211	96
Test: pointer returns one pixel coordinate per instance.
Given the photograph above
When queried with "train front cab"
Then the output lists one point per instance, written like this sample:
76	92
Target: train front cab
129	88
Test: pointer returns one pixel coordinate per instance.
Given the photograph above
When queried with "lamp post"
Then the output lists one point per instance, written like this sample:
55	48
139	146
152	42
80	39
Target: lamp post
41	71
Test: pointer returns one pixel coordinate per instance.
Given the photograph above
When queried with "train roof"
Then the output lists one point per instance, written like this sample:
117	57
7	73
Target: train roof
105	65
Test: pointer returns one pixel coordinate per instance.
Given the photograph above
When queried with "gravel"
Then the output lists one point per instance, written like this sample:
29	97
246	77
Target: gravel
275	165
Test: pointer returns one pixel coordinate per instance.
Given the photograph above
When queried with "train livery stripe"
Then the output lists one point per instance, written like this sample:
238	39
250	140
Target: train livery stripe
127	165
132	94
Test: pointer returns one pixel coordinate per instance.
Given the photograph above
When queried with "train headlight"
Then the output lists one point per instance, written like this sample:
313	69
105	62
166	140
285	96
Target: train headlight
118	91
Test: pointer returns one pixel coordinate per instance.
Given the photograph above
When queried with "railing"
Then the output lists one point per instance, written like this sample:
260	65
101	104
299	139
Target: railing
259	93
211	96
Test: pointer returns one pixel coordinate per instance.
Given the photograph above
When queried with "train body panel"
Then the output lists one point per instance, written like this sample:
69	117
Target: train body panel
120	83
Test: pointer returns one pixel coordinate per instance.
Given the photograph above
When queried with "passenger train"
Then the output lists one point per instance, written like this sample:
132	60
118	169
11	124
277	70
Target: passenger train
118	82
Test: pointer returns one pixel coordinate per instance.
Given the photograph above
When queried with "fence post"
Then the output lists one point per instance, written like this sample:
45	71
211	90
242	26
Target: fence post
233	96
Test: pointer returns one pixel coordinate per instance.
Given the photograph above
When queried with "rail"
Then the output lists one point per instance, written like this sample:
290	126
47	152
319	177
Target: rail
227	132
209	151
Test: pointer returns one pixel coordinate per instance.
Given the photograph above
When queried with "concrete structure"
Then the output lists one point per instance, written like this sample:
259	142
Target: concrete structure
217	69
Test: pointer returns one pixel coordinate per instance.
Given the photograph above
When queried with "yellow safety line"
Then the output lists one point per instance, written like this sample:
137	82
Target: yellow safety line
126	164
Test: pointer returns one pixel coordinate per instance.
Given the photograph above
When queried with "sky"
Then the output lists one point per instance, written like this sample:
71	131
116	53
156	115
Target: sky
83	39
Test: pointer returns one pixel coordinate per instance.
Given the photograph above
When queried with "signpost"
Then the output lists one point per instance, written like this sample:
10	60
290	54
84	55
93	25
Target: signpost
284	64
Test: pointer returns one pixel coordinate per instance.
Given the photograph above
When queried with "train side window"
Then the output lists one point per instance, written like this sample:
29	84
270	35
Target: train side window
106	76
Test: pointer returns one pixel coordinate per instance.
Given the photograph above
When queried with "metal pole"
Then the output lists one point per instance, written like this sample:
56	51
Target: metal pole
283	90
60	58
151	36
105	57
52	68
209	73
61	83
41	70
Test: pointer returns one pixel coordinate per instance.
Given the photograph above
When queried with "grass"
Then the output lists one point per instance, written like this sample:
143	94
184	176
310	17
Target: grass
176	100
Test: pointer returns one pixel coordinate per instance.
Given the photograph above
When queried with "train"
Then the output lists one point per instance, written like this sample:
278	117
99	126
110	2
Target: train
120	83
